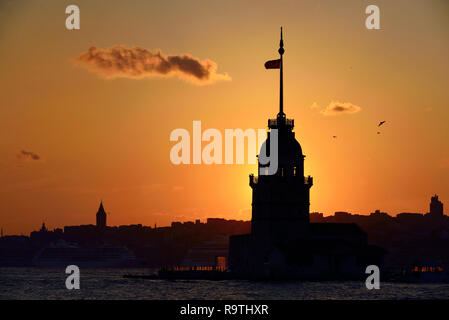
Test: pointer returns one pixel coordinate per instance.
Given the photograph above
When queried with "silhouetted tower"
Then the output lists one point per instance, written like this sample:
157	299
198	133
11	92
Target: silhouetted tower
436	207
43	228
101	217
280	202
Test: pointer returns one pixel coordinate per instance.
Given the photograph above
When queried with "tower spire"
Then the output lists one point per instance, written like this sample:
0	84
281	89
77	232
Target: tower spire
281	87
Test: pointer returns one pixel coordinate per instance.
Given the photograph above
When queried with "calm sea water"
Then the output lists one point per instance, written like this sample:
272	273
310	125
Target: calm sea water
37	283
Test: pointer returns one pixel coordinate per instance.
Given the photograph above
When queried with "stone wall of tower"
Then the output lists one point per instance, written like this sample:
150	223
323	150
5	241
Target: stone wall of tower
280	207
280	202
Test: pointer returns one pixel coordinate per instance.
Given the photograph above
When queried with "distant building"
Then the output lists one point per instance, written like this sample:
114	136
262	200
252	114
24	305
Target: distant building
43	228
342	216
379	216
101	217
409	218
436	207
316	217
176	224
45	236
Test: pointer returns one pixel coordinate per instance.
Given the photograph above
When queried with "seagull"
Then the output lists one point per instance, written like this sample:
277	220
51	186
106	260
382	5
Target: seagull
381	123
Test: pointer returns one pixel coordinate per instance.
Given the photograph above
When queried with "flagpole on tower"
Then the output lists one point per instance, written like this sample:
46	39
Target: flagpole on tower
281	95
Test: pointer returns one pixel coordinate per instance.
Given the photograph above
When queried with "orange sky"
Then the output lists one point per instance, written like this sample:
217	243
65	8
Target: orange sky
109	138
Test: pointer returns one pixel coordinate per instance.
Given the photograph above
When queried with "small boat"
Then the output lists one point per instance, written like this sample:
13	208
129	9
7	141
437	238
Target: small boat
186	273
426	272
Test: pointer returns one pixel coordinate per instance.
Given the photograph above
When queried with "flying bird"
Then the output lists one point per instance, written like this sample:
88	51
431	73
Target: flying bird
334	137
381	123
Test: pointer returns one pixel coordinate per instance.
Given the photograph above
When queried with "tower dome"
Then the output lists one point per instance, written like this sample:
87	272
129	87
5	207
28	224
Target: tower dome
290	156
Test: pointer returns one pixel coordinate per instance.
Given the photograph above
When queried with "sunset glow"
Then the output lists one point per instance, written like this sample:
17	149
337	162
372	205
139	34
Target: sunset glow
70	137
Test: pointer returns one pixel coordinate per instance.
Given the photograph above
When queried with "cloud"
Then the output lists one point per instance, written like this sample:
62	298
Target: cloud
27	155
136	63
336	108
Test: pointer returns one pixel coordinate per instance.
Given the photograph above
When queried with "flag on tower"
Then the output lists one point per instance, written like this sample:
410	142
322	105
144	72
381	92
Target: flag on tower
273	64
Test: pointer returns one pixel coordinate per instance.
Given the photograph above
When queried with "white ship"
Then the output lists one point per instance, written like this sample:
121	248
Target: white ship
64	254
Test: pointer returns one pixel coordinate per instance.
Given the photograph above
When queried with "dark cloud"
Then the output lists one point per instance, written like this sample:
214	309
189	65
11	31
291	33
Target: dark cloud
336	108
27	155
121	62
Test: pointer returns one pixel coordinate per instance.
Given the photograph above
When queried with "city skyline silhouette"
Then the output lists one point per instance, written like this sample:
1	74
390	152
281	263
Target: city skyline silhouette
81	133
282	242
